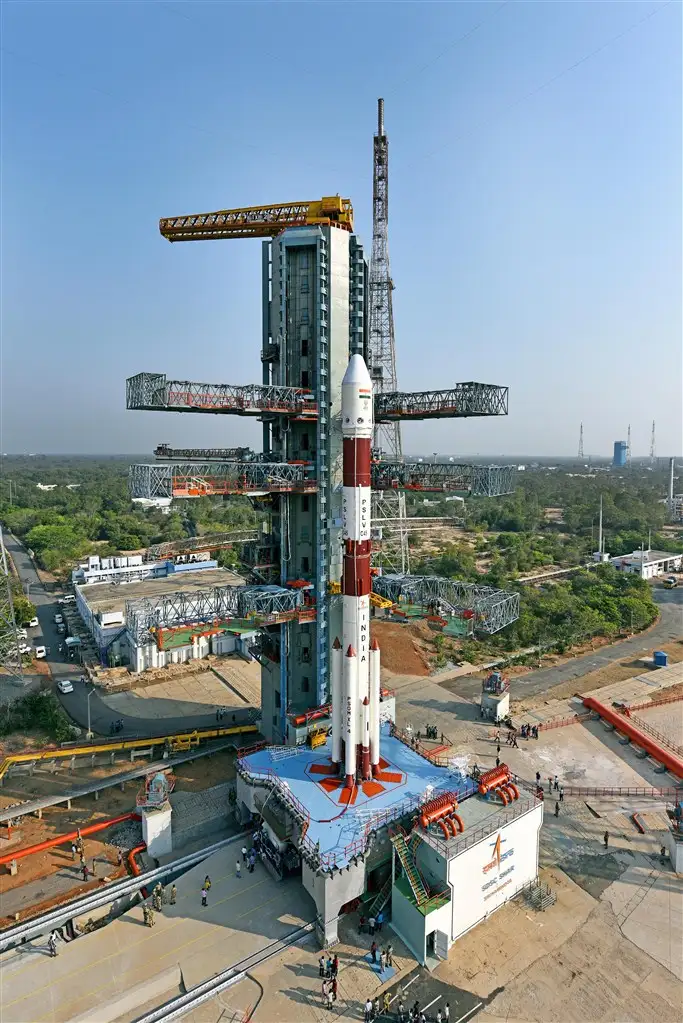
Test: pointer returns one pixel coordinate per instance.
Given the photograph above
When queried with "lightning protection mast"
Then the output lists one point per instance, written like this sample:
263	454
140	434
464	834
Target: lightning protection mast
394	556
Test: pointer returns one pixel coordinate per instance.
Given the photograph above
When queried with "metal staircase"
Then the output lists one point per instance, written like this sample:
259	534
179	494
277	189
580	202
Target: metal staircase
417	885
381	899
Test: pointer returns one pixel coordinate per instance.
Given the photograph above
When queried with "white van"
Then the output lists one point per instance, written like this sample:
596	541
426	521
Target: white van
69	599
41	653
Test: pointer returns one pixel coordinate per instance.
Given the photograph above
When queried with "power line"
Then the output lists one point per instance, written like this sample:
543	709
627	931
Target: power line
550	81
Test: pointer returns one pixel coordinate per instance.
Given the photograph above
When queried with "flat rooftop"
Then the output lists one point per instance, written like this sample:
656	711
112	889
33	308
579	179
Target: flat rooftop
648	557
107	597
404	779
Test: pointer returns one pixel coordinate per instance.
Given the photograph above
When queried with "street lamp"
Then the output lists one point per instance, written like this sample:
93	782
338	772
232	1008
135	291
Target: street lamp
89	735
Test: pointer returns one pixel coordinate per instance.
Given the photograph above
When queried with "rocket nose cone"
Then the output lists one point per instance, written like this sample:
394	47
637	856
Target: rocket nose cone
357	373
374	645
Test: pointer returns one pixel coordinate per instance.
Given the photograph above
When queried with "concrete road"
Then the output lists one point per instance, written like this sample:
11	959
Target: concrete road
75	704
668	628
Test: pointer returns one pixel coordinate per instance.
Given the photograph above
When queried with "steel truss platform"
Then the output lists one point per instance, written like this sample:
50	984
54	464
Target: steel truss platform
153	392
267	605
200	479
477	480
459	401
491	609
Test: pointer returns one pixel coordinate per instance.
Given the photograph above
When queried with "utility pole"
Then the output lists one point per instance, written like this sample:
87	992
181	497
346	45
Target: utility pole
653	445
382	354
628	447
581	455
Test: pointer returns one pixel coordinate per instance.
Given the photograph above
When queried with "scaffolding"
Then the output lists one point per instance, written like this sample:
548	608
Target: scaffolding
153	392
258	221
199	479
165	453
264	604
477	480
459	401
490	610
209	542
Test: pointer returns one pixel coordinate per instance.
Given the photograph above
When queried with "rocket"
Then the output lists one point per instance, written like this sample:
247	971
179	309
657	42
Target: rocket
355	663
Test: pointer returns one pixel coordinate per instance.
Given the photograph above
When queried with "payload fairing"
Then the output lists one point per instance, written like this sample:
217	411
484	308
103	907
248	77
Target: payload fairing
355	661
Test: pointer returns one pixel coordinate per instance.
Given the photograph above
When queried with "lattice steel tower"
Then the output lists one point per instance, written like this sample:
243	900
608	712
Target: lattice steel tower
394	553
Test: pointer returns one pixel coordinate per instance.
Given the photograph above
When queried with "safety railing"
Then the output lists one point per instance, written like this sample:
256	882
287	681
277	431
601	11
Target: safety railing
573	719
656	702
497	821
656	734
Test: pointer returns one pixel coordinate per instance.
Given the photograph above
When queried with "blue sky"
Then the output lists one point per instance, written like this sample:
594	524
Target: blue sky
535	211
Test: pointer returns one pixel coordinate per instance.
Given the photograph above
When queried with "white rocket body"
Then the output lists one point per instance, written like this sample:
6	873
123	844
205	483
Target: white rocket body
356	688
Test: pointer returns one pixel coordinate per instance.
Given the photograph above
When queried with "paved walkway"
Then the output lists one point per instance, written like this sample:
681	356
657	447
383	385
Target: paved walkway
243	916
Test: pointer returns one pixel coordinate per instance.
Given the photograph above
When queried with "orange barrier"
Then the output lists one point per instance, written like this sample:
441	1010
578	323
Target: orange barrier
92	829
663	756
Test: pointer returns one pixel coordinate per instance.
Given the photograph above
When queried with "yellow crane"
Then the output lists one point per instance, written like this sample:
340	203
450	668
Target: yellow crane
258	221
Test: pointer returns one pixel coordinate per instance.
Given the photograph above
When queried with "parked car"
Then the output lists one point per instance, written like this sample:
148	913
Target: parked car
34	623
22	634
61	628
25	648
41	653
69	599
58	619
65	686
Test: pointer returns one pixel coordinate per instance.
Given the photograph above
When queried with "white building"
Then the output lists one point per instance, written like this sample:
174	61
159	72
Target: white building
648	564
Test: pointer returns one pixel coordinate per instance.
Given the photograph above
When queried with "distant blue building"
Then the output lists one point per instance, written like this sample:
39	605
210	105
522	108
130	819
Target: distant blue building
620	451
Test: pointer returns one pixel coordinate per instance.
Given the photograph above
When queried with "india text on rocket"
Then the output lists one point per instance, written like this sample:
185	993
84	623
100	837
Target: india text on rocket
355	662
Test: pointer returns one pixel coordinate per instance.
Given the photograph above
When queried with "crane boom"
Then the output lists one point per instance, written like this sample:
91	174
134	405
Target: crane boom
258	221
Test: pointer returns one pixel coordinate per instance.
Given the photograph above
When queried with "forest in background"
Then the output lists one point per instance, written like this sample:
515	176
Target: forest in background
514	535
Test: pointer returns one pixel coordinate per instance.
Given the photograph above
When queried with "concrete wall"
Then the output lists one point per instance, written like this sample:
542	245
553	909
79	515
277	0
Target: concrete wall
408	923
482	880
332	891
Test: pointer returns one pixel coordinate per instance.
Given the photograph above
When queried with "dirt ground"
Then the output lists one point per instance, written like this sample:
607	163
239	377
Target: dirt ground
405	649
193	776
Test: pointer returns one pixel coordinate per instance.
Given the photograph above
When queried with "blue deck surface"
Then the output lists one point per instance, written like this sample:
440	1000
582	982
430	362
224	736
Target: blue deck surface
335	826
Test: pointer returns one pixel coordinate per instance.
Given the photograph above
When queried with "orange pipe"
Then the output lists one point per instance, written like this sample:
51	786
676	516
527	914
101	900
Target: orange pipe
659	753
458	820
133	864
92	829
443	824
513	789
492	779
503	795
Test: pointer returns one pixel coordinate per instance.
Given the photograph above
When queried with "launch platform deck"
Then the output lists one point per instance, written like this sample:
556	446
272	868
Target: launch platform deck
338	823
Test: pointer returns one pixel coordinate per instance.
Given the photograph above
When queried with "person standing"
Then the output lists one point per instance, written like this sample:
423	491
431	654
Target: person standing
367	1011
390	955
52	944
321	966
329	996
73	850
497	761
401	1011
84	870
335	966
382	960
557	809
361	924
386	1003
204	897
556	783
244	853
238	868
373	951
447	1013
561	794
380	920
605	839
371	926
333	987
174	895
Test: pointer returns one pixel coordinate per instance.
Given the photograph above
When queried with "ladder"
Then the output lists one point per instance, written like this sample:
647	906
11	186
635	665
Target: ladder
381	899
415	881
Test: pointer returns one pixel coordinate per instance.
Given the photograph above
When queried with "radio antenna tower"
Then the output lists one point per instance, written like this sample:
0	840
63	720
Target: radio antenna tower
628	447
382	356
581	455
653	445
10	655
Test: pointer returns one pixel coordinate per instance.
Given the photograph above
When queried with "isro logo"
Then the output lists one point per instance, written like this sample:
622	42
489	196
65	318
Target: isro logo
498	856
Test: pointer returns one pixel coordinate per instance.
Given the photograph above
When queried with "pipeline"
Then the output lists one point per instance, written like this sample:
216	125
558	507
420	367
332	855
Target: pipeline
92	829
133	864
663	756
502	792
457	819
442	806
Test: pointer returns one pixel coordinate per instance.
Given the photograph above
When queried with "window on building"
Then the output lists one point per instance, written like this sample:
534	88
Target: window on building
303	288
304	442
305	684
304	316
306	655
305	502
304	346
305	564
277	699
304	378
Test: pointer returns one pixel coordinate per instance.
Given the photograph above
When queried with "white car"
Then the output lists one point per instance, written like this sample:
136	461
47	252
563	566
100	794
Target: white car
58	620
34	623
22	634
25	648
65	686
41	653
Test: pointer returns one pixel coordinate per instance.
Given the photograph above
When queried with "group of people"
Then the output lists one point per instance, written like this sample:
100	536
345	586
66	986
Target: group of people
159	896
386	956
248	858
372	1010
221	712
373	923
329	968
116	726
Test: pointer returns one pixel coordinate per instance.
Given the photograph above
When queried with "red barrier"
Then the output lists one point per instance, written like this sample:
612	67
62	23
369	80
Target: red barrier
92	829
663	756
